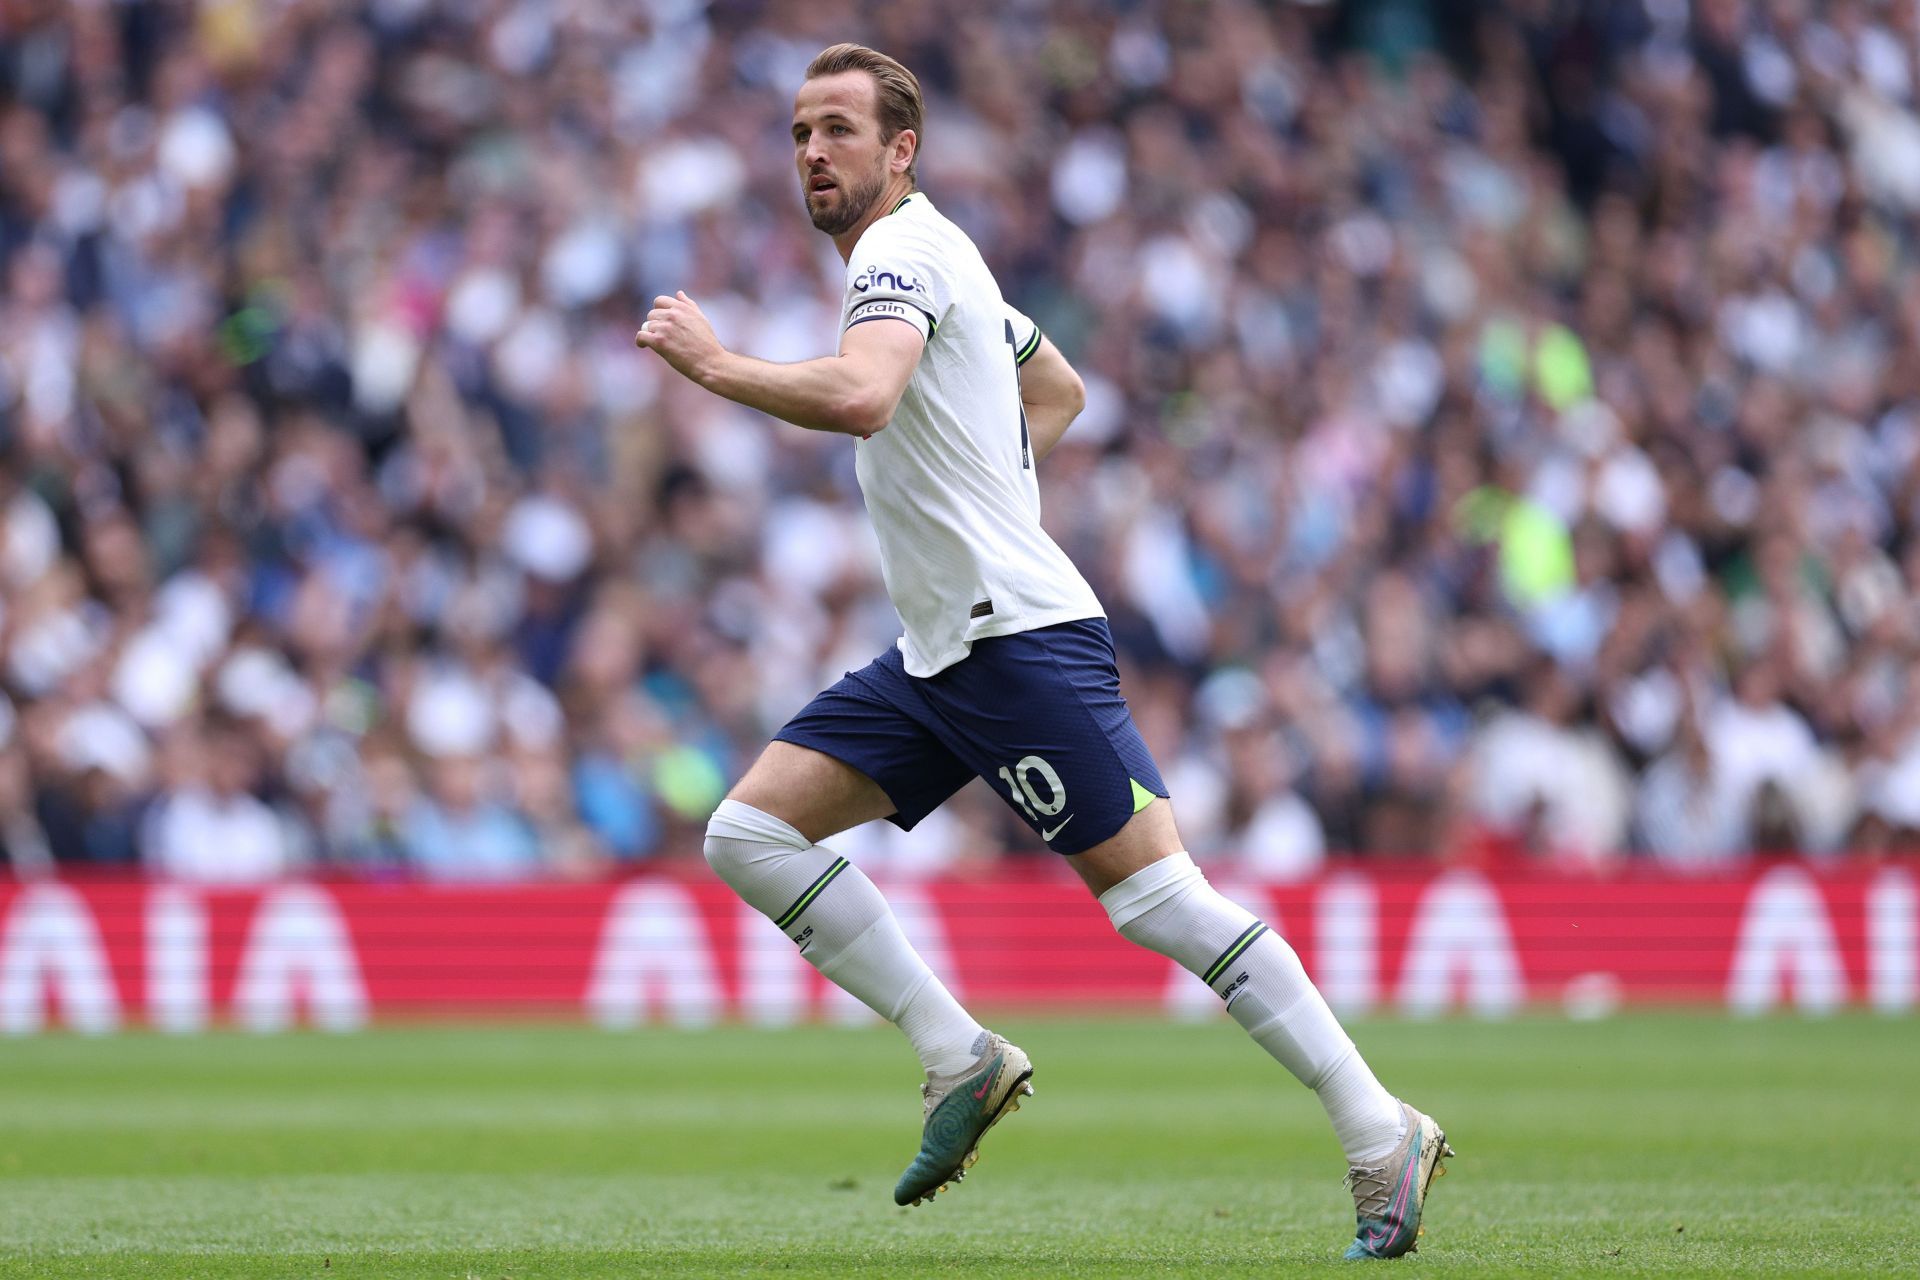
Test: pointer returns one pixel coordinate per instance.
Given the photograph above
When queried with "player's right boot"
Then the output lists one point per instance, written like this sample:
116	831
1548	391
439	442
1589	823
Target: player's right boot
1388	1197
959	1110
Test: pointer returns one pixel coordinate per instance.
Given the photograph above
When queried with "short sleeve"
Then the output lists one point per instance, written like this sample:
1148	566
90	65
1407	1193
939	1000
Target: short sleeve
895	277
1023	333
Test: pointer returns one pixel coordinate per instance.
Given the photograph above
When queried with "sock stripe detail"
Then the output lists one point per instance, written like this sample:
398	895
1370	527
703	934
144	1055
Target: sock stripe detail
805	900
1232	953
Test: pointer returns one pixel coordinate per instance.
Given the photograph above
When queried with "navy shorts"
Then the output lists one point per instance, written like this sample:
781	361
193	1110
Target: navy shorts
1037	714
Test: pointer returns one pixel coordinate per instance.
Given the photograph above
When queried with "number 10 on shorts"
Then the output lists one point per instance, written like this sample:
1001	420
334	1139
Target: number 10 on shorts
1019	780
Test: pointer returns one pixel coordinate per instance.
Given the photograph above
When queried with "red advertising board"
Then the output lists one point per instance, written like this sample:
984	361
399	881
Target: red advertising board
678	948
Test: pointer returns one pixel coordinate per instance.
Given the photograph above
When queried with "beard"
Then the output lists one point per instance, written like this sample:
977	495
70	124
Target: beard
834	217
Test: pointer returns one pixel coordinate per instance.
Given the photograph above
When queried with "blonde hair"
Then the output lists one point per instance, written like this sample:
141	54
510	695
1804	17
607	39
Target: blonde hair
896	91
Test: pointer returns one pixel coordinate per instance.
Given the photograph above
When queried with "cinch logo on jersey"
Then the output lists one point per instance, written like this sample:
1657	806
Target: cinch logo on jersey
875	277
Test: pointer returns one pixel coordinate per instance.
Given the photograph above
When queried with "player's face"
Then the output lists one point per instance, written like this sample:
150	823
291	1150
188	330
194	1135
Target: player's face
838	150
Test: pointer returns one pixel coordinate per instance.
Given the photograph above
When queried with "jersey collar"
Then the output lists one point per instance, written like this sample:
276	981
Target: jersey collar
903	203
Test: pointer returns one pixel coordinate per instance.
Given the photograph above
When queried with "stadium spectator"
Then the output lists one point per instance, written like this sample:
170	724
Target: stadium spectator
22	838
1549	779
461	828
1686	819
206	825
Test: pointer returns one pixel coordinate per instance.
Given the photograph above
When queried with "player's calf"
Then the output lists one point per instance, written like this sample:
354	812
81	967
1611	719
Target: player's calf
843	927
1170	908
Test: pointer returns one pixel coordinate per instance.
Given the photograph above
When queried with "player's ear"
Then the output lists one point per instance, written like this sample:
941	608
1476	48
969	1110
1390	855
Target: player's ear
906	144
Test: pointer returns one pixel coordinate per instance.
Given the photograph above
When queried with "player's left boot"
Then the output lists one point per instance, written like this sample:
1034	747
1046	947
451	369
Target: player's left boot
959	1110
1388	1197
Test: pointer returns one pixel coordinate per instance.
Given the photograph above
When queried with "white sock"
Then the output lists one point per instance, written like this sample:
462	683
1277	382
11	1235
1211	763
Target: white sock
1169	907
843	927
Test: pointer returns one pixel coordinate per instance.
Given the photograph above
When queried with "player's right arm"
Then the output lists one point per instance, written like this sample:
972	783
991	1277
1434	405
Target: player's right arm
1053	395
855	392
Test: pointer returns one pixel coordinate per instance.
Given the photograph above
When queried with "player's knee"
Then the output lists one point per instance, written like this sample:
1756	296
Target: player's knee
722	854
726	852
741	837
1138	896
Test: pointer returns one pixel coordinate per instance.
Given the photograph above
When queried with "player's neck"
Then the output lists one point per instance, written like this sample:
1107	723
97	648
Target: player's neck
890	197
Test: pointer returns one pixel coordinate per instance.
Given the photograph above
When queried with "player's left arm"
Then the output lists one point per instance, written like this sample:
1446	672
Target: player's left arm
1053	395
855	392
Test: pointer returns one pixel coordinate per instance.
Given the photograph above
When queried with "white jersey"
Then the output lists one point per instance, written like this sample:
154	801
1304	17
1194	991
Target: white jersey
950	481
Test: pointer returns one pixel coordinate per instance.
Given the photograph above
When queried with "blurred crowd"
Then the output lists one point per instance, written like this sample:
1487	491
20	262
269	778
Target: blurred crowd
1503	428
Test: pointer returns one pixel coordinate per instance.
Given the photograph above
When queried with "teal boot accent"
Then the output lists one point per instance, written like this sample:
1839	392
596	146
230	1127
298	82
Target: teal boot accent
959	1111
1388	1198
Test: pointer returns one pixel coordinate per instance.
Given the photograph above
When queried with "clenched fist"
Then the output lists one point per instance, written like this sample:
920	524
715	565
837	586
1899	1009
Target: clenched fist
677	331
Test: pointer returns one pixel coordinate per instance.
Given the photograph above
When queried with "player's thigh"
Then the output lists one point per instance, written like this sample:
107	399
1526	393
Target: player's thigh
810	791
860	750
1148	836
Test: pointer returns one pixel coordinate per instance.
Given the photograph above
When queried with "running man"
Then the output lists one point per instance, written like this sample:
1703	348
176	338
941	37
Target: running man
1006	670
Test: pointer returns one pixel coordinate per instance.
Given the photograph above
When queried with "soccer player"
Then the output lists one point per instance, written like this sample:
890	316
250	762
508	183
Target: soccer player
1006	670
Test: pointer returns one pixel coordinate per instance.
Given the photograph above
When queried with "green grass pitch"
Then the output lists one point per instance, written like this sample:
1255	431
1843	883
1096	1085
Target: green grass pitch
1647	1145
